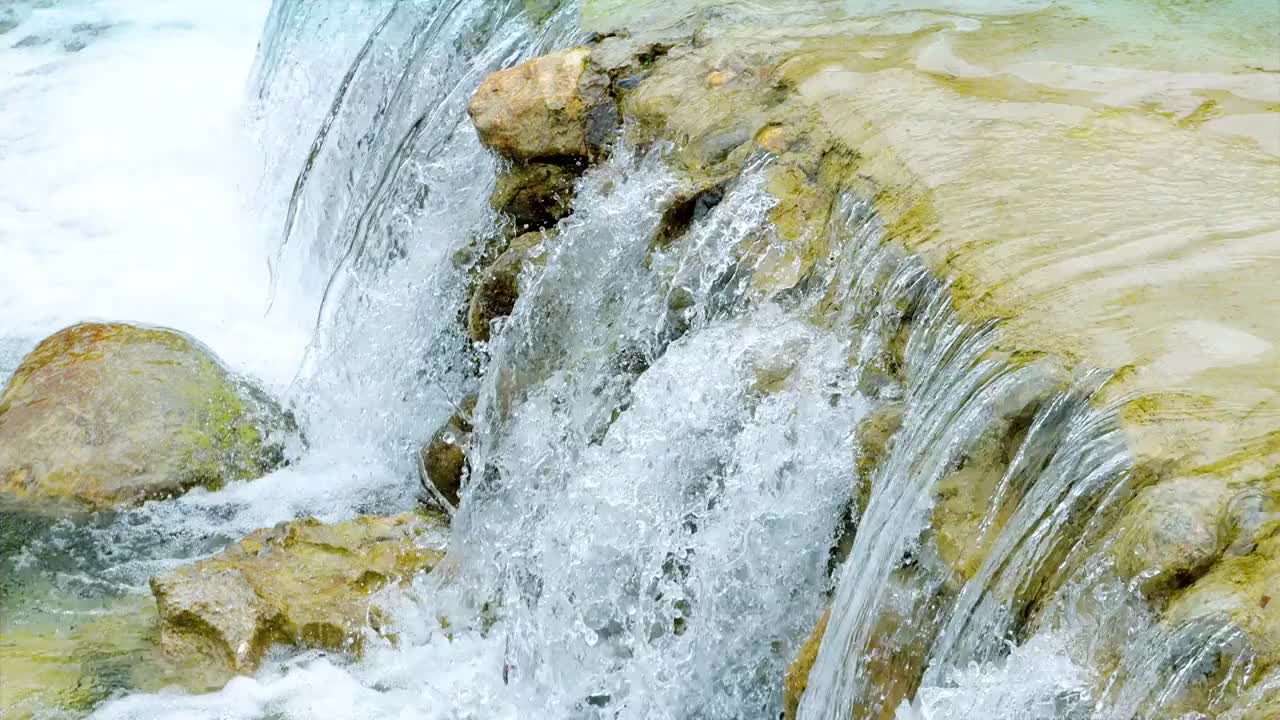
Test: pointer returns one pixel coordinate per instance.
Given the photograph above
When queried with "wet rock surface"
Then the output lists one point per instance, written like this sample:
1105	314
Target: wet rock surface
536	195
109	415
302	583
498	285
443	460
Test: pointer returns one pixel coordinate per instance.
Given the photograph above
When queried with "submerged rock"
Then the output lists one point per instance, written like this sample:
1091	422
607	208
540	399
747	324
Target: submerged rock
109	415
302	583
554	106
443	460
62	661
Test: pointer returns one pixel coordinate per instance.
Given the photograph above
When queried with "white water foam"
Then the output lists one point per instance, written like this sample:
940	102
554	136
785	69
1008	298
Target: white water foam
121	156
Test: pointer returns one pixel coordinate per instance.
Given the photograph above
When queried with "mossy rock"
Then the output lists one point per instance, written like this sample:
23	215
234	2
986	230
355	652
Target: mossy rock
109	415
535	195
498	286
1242	592
64	660
302	583
797	678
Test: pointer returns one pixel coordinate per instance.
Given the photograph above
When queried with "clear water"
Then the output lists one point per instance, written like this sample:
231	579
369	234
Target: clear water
665	453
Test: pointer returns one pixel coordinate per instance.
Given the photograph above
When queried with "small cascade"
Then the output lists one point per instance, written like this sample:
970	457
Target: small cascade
663	466
694	434
389	184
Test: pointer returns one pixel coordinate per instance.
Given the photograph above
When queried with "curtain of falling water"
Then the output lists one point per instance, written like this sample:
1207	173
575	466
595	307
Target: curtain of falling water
661	464
1015	638
386	182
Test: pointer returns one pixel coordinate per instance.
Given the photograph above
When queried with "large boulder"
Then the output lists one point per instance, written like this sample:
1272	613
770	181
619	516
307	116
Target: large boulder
302	583
108	415
552	107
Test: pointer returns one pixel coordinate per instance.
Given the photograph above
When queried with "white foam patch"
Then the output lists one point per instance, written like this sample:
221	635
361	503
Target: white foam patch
120	176
1037	681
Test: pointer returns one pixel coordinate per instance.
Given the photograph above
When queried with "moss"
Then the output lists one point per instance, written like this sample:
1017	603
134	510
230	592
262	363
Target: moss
797	678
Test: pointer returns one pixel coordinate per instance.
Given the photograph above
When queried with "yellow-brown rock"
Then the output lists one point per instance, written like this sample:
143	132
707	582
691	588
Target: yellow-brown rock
798	671
553	106
109	415
302	583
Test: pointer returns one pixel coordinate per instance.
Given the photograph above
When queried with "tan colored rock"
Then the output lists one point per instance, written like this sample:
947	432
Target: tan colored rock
302	583
109	415
498	286
554	106
535	195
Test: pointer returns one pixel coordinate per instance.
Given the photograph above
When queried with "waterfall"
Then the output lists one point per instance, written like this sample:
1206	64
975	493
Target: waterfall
667	484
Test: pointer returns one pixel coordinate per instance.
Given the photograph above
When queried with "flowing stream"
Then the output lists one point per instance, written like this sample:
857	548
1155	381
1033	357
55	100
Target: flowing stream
664	456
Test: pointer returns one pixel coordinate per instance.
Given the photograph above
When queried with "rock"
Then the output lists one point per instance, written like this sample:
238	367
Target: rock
690	205
1262	702
498	286
623	57
968	495
875	435
301	583
1171	534
1242	592
535	195
109	415
554	106
444	458
797	679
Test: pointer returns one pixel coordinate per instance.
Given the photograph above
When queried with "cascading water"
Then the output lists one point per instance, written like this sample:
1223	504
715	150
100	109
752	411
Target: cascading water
664	467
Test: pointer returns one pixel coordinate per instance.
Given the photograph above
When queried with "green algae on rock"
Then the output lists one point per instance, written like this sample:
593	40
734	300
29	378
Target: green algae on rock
301	583
797	678
110	415
46	663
